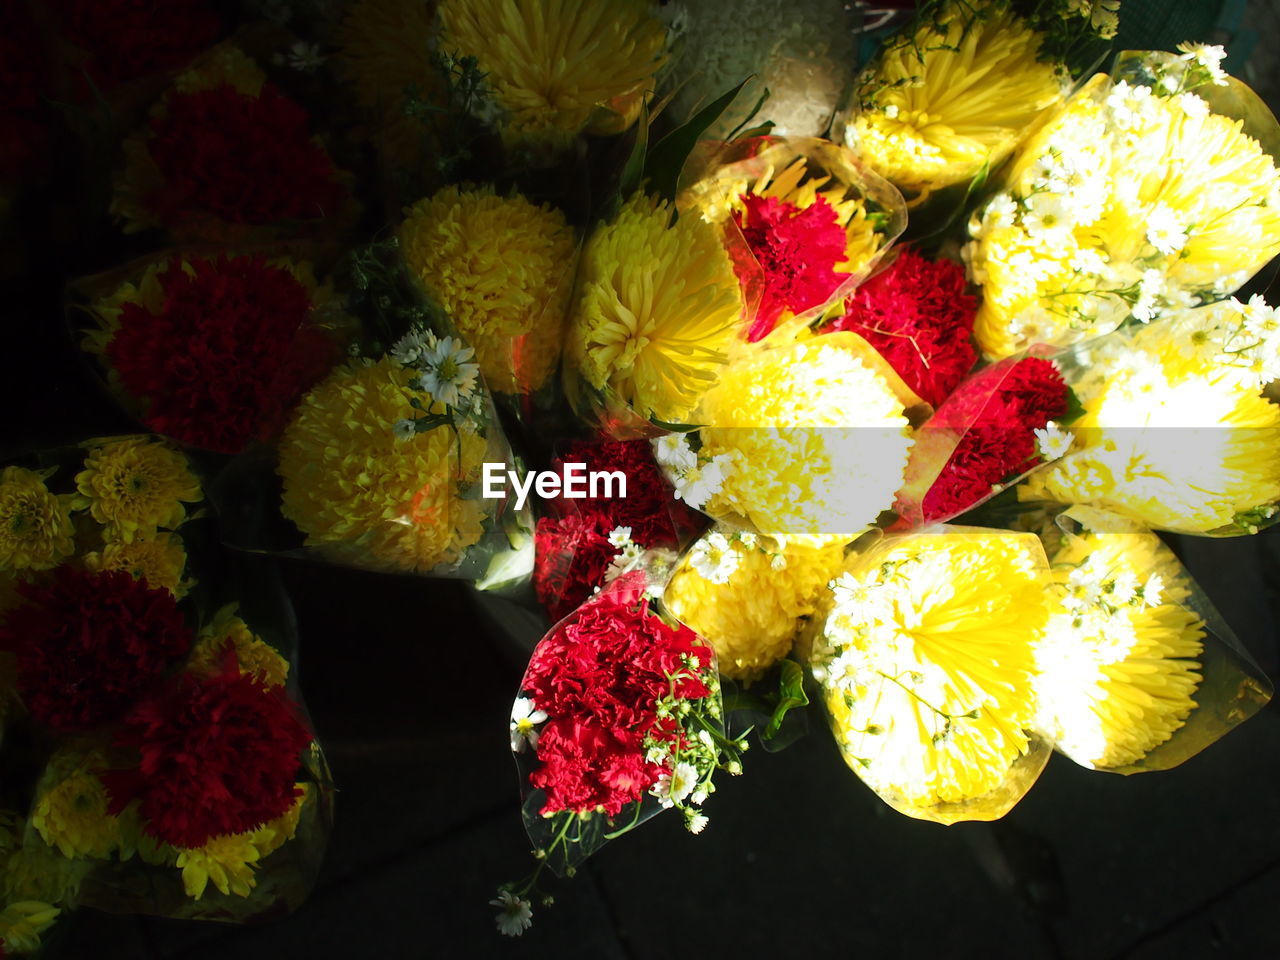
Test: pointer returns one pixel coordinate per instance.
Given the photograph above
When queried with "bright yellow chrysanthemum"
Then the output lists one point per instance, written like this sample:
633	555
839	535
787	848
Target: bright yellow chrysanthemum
549	63
502	269
955	95
159	561
228	633
658	309
35	525
135	486
362	495
229	862
1117	668
1168	438
747	600
70	810
813	435
23	923
926	660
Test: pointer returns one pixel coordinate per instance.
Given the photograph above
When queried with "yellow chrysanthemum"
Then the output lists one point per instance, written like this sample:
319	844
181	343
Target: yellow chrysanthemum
750	608
658	310
158	561
23	923
35	525
135	486
36	871
926	662
812	434
229	862
502	269
956	94
1169	438
549	63
363	496
1116	669
224	65
228	631
71	809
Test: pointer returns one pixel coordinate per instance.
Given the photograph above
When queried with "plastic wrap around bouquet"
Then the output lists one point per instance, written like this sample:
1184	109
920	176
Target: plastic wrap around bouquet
157	755
1102	648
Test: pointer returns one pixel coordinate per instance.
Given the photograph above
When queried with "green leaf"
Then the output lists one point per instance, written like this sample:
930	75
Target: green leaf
633	171
675	427
790	695
667	158
738	130
1075	409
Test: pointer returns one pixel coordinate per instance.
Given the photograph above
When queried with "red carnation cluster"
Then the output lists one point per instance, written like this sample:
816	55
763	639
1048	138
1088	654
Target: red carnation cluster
599	678
798	249
226	356
997	411
132	38
572	547
218	755
88	645
244	159
919	317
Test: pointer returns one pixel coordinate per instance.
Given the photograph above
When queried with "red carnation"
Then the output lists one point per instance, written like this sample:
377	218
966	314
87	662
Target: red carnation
919	317
996	412
226	356
572	554
131	38
243	159
598	678
798	249
218	755
88	645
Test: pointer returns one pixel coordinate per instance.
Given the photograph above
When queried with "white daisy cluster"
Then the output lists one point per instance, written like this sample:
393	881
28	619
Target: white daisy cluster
1103	15
696	478
445	370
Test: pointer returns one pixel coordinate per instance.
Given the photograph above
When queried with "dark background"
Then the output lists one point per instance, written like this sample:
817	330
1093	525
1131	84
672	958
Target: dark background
409	691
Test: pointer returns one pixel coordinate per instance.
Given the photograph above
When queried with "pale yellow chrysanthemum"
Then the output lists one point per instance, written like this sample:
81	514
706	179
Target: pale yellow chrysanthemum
224	65
159	561
751	616
548	64
228	633
955	95
362	495
926	663
135	486
70	811
502	269
1116	669
658	309
36	871
35	525
229	862
814	437
23	923
1169	438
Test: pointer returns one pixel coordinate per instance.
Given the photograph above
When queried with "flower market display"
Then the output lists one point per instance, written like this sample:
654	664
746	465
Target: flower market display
781	392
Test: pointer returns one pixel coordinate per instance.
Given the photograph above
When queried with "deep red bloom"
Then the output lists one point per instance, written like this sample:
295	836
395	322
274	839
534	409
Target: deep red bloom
919	317
227	355
218	754
998	411
240	158
572	554
599	677
798	249
131	38
89	645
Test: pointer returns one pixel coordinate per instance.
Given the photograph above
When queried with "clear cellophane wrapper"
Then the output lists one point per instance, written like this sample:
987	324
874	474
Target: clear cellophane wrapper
225	599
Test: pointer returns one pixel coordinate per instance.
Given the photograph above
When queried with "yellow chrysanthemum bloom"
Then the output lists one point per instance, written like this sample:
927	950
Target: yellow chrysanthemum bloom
812	436
658	309
35	871
135	486
502	269
35	525
228	631
1170	436
1116	669
548	64
747	597
953	96
926	660
23	923
224	65
70	810
159	561
362	495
